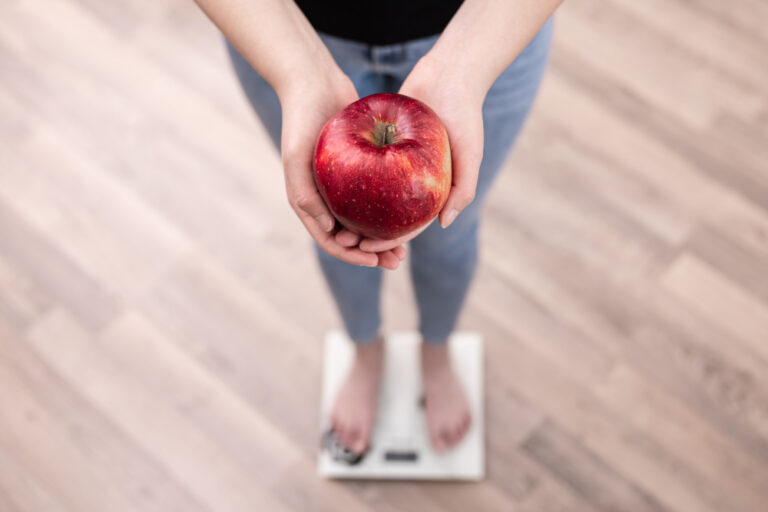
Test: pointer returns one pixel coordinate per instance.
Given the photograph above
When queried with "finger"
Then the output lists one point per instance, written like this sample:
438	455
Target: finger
317	218
373	245
400	252
388	260
347	238
328	243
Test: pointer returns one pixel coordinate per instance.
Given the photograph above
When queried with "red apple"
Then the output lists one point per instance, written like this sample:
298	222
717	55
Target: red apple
383	165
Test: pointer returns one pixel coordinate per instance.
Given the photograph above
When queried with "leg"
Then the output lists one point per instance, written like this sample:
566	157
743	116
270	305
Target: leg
443	261
355	289
442	265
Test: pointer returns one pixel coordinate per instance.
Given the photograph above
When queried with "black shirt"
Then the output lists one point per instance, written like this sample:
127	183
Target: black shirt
379	22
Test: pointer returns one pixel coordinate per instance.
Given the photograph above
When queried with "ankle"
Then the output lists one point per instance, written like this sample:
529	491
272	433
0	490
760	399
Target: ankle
369	342
369	350
435	359
434	350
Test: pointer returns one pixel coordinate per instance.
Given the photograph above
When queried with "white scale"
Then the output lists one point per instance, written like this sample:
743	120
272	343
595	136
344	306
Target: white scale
400	447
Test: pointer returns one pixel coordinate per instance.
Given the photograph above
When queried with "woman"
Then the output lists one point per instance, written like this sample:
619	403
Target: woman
478	64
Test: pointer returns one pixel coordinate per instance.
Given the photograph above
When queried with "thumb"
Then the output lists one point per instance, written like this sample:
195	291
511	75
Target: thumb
465	172
458	200
311	203
302	191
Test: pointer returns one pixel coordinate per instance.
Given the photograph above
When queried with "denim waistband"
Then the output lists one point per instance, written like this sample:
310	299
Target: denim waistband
389	54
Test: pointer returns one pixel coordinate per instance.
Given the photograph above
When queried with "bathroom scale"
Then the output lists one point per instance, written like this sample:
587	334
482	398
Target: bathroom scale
400	447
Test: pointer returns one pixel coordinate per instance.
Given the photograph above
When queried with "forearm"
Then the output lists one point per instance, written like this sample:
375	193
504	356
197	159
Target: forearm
274	36
485	36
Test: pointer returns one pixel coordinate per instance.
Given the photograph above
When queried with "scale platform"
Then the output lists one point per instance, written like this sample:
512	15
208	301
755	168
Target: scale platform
400	447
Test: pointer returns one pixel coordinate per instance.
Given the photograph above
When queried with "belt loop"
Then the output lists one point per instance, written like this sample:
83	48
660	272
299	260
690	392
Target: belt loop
388	54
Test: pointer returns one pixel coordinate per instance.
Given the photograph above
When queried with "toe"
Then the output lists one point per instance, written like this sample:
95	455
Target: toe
353	434
457	434
454	434
363	439
463	429
437	441
341	433
337	426
359	445
446	435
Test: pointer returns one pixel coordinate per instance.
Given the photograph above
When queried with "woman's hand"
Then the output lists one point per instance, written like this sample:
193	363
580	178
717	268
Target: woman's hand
306	105
350	239
448	90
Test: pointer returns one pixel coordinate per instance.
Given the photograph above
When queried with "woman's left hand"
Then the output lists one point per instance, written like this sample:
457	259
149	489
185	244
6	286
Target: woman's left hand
459	104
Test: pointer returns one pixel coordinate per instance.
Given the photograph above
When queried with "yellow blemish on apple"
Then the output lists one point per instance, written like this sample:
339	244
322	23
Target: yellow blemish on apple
430	181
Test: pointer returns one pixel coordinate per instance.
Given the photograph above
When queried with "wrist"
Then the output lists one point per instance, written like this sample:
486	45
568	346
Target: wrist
317	71
434	69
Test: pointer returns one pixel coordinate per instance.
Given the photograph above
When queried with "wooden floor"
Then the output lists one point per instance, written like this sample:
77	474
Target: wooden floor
161	311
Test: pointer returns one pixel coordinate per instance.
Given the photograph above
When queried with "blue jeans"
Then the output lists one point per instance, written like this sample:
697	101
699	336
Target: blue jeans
442	261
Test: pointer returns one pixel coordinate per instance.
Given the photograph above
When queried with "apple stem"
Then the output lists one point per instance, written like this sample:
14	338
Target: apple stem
389	136
384	134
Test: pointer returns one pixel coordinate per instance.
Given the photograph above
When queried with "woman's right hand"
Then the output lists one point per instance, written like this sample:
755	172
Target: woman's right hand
306	105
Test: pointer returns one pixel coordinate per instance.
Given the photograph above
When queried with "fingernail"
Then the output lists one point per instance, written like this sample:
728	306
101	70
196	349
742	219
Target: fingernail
449	217
325	221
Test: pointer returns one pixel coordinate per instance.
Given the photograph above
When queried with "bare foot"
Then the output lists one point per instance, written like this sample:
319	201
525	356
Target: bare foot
354	410
447	408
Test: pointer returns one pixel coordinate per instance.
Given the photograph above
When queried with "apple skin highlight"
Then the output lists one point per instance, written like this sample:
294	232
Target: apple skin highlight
383	165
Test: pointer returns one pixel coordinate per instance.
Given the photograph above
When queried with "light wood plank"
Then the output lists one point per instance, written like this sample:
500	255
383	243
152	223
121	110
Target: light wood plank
720	301
162	309
152	420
